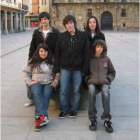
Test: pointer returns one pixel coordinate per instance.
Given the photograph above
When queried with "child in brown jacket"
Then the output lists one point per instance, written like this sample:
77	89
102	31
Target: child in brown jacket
101	74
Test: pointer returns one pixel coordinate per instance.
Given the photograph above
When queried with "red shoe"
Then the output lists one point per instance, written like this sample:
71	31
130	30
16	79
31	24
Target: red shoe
37	122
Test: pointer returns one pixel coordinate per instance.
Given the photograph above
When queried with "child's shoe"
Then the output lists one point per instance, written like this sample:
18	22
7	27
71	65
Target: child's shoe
93	124
37	122
30	103
44	120
107	124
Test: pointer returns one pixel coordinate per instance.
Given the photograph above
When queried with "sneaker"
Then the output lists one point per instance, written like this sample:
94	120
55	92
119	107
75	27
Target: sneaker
44	120
28	104
107	124
37	128
37	122
93	124
72	114
62	115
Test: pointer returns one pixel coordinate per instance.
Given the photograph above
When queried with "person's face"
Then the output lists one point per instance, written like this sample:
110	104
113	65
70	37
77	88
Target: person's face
70	26
99	50
43	53
44	21
92	24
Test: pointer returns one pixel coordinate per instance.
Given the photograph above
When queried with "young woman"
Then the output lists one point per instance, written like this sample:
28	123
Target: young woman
42	82
93	33
93	30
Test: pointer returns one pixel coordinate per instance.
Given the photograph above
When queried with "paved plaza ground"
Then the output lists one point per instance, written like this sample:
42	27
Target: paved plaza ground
17	121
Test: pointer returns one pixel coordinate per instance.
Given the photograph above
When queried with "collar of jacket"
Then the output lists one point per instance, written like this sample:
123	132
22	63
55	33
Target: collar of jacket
89	35
41	28
93	55
76	33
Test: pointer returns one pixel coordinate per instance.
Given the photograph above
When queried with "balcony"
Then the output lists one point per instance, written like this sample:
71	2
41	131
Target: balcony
93	1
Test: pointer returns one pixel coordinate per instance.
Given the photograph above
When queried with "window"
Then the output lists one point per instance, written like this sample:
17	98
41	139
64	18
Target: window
123	0
71	12
106	0
123	24
123	13
89	0
89	12
70	1
43	2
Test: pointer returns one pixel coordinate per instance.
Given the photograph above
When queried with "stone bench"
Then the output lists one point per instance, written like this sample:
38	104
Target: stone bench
55	98
83	98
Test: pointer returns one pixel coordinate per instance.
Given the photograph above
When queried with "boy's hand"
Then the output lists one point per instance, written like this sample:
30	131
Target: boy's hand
53	84
88	81
57	74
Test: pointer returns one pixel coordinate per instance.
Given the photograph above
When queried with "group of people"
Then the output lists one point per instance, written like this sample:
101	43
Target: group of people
73	58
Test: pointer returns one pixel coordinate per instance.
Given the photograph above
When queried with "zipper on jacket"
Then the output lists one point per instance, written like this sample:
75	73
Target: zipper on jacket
71	52
98	71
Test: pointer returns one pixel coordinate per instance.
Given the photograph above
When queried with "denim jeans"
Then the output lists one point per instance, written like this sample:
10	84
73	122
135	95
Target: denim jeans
29	93
41	96
65	78
105	101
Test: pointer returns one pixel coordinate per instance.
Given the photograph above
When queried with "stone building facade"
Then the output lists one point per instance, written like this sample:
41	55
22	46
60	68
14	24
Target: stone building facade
13	15
111	14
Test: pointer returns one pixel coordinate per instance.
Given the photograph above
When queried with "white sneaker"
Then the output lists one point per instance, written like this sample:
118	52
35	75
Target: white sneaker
28	104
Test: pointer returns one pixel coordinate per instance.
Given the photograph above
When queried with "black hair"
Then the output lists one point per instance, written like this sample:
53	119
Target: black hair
44	14
97	29
36	60
69	18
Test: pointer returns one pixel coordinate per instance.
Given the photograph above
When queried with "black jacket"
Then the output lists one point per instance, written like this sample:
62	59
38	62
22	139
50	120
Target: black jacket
72	52
38	38
92	40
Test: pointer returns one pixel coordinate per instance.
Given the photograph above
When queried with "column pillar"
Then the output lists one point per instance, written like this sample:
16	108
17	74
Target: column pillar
24	22
11	30
5	19
20	22
16	22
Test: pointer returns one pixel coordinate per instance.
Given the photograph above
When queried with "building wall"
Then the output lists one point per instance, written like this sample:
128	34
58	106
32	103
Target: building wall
13	16
35	6
79	10
44	5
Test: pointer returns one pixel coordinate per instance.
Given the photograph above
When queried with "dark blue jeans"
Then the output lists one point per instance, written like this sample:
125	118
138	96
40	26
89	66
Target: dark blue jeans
41	96
65	78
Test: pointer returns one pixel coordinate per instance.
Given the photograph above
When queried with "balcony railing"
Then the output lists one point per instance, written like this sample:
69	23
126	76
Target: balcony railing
94	1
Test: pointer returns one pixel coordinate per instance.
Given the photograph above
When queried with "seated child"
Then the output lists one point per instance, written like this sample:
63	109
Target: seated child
42	82
101	74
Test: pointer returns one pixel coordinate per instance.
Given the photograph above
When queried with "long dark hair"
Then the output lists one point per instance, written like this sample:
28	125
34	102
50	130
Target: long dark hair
36	60
97	29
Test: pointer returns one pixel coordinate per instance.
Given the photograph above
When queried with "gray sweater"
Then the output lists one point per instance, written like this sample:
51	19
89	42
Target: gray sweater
44	75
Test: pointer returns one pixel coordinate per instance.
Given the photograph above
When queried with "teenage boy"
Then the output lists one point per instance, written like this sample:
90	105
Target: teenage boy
101	74
45	34
72	62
